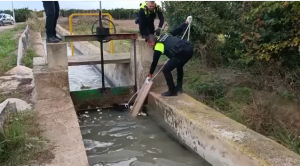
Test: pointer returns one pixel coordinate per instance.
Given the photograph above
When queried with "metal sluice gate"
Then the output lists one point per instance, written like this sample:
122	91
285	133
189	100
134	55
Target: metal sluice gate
103	97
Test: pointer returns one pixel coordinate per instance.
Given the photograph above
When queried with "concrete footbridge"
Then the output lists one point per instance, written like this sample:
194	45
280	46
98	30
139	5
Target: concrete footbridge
210	135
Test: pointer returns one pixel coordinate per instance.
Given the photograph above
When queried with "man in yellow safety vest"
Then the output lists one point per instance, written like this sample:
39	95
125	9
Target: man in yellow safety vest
178	51
146	16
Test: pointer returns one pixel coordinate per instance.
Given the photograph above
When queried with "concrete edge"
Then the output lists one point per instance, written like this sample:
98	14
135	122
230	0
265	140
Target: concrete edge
217	138
57	115
22	44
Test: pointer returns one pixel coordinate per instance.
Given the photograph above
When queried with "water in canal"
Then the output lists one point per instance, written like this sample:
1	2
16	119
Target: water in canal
113	138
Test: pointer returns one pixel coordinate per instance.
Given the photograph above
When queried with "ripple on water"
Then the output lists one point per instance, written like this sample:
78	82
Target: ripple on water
118	140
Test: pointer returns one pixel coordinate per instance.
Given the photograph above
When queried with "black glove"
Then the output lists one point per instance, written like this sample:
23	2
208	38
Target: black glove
136	20
158	31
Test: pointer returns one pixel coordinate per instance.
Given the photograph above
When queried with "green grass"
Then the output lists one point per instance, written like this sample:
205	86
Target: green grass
8	44
242	95
7	62
27	59
3	97
20	139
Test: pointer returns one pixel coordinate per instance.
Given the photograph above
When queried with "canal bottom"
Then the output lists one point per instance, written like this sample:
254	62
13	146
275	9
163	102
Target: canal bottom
113	138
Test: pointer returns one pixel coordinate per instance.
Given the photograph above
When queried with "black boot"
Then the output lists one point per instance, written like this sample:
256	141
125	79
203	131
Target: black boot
170	93
179	88
58	38
52	40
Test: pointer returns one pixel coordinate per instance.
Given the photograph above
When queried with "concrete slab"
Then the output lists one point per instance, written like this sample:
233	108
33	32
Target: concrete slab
57	56
57	116
39	61
96	59
43	105
217	138
50	84
58	120
144	57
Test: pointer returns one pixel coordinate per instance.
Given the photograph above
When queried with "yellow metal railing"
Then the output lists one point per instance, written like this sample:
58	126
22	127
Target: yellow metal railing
90	14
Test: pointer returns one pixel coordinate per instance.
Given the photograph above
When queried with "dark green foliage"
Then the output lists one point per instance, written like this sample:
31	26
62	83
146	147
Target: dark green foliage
258	31
210	21
274	34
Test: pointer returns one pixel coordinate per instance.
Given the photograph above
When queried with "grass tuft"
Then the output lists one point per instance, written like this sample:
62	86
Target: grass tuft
20	139
27	59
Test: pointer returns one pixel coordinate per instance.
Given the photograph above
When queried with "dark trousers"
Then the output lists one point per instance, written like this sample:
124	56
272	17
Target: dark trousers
148	27
52	14
178	61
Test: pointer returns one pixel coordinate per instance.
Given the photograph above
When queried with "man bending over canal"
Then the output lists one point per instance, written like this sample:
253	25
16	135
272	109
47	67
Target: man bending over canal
177	50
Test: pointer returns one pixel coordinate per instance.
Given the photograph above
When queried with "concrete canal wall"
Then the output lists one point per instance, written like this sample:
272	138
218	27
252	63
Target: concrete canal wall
218	139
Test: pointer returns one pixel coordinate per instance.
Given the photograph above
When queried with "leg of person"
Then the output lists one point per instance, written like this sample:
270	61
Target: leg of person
179	78
183	58
57	9
50	14
169	66
151	26
144	29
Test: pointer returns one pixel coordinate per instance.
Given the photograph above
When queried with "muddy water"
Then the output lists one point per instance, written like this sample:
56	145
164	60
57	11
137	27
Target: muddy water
86	75
113	138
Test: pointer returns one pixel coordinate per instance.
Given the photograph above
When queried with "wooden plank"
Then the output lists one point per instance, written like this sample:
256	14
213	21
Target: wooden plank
96	59
141	99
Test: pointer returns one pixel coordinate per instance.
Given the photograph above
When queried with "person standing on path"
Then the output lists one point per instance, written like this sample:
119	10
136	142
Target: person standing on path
52	14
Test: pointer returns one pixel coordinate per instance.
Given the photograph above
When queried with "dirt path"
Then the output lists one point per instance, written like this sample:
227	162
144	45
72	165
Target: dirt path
6	27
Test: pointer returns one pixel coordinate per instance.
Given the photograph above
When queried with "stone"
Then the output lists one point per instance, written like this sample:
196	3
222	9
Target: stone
21	105
39	61
11	83
19	70
3	105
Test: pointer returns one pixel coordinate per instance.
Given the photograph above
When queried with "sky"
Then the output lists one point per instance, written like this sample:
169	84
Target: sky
38	5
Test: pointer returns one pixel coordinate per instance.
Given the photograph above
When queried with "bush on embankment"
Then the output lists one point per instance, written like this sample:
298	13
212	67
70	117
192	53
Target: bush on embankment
258	32
246	56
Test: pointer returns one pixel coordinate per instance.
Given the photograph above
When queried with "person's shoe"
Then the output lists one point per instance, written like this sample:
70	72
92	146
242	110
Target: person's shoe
170	93
58	38
52	40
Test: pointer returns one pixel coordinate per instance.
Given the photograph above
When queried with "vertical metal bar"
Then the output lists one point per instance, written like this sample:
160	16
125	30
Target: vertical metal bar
135	69
13	10
101	47
100	15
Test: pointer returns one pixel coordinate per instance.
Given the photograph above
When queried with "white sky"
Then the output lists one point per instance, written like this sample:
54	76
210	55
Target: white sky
38	5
